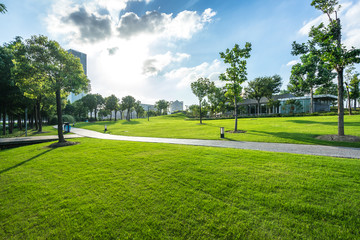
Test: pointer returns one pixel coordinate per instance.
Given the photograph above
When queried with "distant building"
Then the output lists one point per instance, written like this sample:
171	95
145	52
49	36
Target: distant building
147	107
176	106
82	56
321	104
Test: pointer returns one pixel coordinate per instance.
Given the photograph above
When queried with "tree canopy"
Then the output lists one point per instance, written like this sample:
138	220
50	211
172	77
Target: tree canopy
201	88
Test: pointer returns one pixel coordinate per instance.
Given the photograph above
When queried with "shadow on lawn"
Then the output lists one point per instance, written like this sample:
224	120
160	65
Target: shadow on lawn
307	138
130	122
23	162
353	124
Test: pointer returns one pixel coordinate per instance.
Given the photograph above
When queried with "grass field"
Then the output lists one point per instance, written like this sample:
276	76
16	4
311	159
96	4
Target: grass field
281	129
47	131
102	189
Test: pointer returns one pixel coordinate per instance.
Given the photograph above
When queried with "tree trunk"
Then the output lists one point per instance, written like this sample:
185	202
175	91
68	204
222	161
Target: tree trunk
11	123
4	121
348	98
19	122
36	118
39	116
341	131
200	111
311	100
115	115
258	108
235	113
59	115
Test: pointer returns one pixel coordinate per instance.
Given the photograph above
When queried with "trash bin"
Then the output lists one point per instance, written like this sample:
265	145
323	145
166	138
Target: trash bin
67	127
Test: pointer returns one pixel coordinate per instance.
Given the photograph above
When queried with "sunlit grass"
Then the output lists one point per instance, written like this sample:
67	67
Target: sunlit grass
281	129
117	190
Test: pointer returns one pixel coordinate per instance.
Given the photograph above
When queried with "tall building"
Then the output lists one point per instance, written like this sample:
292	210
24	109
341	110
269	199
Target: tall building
82	56
176	106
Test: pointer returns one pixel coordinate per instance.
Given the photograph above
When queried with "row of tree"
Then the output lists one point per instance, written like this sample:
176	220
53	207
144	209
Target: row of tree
105	107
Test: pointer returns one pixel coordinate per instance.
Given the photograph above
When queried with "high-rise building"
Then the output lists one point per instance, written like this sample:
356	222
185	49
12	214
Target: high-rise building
82	56
176	106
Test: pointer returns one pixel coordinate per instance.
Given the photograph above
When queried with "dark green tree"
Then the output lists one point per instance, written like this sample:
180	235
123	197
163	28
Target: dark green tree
112	104
162	106
236	74
128	103
139	109
89	102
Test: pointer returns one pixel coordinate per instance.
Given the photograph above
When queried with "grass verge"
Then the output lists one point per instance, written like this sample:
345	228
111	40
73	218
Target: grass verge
110	189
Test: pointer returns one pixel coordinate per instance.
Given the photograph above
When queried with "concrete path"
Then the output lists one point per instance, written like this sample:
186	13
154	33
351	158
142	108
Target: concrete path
344	152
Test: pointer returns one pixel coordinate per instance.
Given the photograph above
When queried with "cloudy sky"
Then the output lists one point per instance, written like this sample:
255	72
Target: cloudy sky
154	49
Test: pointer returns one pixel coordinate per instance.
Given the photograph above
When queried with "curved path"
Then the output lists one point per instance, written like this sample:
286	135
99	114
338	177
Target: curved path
319	150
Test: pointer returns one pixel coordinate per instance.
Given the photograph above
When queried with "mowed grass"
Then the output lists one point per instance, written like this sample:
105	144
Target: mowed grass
46	131
300	130
101	189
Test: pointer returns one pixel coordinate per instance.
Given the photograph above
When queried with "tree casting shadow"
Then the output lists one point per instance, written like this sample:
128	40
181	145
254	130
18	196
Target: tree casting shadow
23	162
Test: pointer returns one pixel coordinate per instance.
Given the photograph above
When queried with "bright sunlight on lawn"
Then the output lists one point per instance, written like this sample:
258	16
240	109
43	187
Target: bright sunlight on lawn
108	189
281	129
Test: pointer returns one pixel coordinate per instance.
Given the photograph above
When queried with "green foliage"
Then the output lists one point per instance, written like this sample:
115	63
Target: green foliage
139	109
236	74
112	104
201	88
128	103
2	8
162	106
263	87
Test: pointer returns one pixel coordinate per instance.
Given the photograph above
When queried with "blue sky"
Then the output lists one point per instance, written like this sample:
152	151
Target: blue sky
154	49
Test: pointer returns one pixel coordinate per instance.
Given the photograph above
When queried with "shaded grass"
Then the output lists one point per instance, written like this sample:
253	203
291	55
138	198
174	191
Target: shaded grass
47	131
300	130
108	189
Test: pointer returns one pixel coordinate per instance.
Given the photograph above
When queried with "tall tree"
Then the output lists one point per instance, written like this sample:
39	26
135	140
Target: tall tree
308	75
162	106
128	103
201	88
54	71
138	109
100	101
90	103
112	104
327	40
236	74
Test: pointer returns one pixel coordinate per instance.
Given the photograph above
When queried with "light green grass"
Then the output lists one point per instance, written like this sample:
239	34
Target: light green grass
104	189
300	130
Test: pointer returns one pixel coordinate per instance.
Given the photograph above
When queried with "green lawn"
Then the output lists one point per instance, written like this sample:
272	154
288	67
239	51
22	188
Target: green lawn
104	189
47	131
281	129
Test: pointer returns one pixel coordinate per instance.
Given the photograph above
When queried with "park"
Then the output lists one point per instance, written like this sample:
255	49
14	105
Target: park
58	183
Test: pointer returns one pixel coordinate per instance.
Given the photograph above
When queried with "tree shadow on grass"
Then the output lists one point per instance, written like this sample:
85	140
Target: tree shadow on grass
130	122
354	124
23	162
308	138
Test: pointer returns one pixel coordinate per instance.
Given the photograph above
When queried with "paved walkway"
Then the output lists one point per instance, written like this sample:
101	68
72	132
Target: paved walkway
344	152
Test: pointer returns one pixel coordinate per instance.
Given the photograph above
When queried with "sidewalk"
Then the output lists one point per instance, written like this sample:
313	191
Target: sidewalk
318	150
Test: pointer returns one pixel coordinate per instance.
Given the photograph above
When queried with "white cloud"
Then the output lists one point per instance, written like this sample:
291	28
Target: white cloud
155	64
129	65
349	15
184	76
292	62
